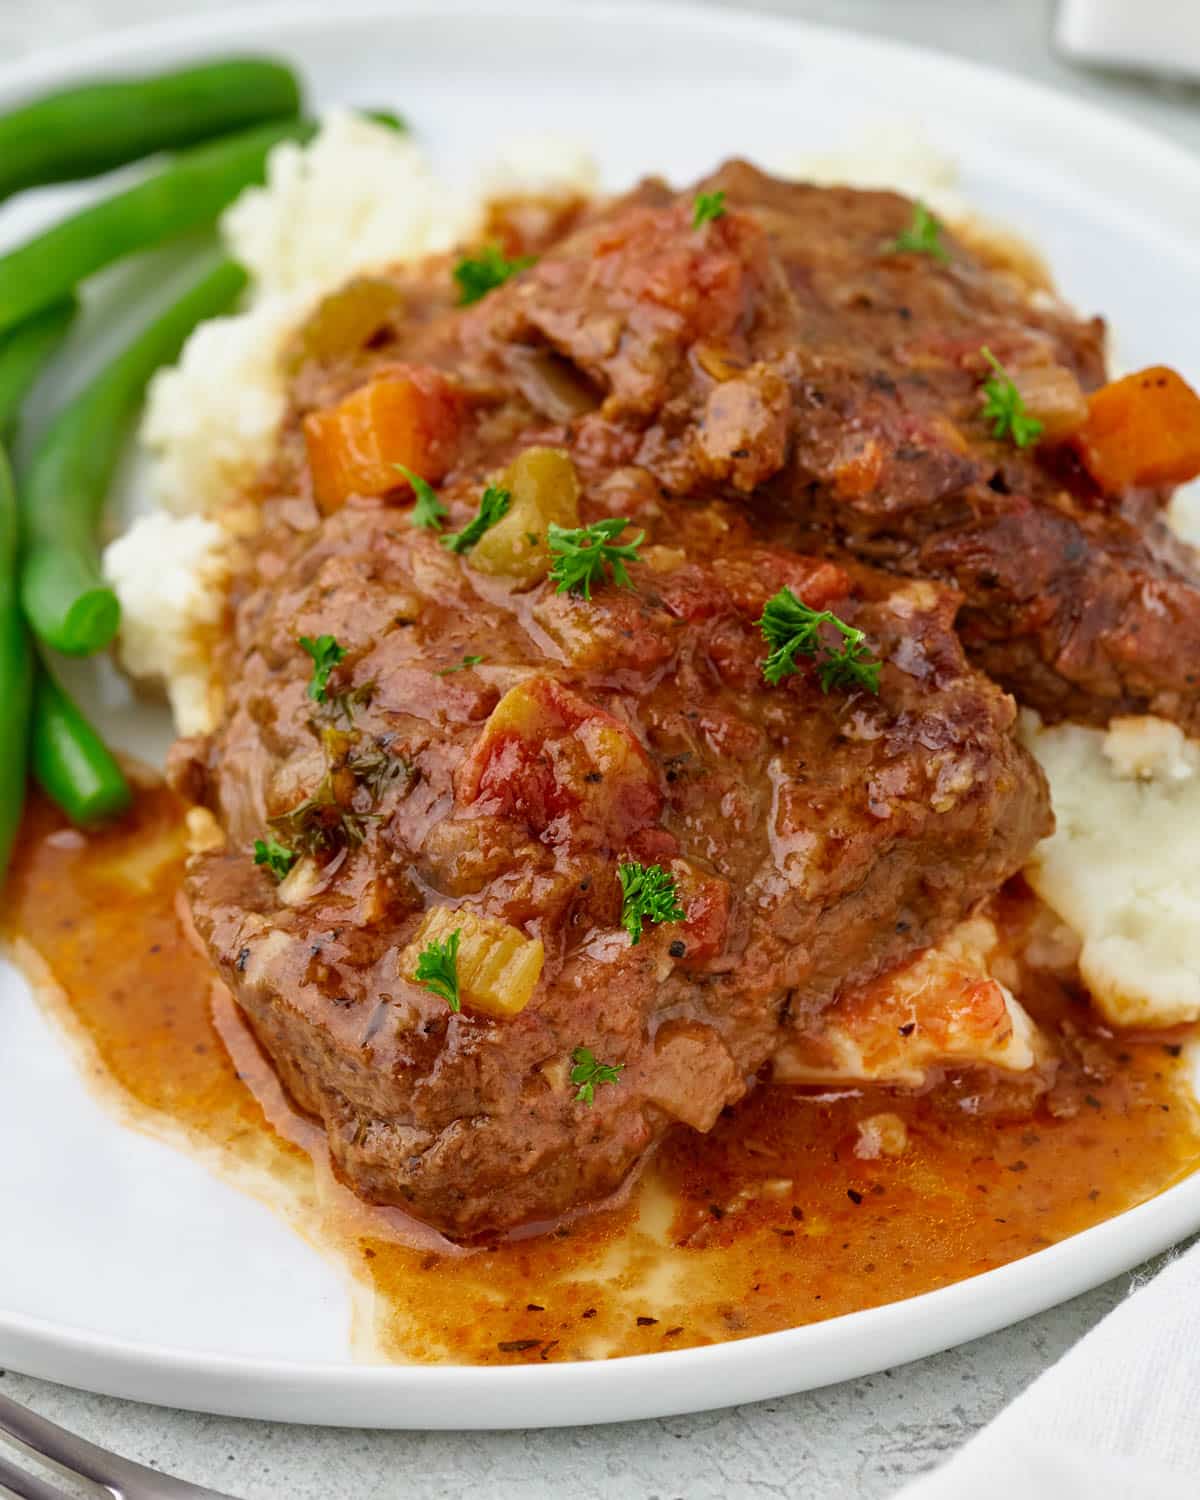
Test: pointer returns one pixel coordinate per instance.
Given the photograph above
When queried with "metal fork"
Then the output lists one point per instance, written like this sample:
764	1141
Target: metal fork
116	1477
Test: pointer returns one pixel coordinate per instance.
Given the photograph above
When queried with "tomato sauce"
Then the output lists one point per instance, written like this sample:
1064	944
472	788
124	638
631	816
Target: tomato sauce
773	1220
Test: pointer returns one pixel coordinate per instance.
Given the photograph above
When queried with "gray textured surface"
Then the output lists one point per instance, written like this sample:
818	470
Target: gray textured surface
856	1441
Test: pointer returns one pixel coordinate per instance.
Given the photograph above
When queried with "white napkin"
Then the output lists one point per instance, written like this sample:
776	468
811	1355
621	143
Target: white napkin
1160	36
1117	1418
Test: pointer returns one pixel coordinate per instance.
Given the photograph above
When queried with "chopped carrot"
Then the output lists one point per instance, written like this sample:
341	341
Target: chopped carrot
409	416
1144	429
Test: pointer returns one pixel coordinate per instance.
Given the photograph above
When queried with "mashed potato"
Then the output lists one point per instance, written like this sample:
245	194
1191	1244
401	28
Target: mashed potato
1121	870
211	420
360	195
901	160
887	158
169	572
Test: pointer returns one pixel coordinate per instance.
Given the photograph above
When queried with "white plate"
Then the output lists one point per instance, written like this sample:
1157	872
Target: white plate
126	1267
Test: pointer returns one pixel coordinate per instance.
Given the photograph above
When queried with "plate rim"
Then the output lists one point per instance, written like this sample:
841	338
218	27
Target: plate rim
670	1382
627	1388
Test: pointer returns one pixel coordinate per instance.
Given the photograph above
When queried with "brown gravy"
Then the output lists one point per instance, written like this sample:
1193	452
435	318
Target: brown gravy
770	1222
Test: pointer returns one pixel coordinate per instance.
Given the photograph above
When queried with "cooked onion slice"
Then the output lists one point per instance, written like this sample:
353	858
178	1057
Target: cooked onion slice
543	490
551	384
1052	394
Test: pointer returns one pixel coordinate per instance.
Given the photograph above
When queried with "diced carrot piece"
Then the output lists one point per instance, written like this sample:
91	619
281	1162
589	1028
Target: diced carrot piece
1144	429
706	900
409	416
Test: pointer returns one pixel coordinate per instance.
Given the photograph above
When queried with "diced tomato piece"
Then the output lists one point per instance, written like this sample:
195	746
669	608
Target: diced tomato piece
691	593
653	846
409	416
569	770
654	257
754	576
939	1008
705	899
860	470
1144	429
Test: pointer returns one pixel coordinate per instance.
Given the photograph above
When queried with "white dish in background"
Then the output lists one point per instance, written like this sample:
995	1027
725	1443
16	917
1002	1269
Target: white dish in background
128	1268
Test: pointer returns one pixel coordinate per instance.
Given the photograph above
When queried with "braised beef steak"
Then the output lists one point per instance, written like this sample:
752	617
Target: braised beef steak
814	838
786	353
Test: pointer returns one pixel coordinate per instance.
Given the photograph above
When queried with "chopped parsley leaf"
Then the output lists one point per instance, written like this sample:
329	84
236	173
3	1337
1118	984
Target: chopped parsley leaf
319	824
709	206
325	653
375	768
1005	409
587	1073
582	554
493	507
922	237
792	629
648	895
467	661
478	275
429	511
437	969
277	858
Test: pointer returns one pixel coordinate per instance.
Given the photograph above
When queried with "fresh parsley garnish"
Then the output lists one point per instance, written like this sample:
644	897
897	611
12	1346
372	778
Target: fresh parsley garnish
467	661
325	653
792	629
493	507
277	858
477	275
647	895
429	511
1005	409
582	554
388	117
375	768
319	823
922	237
587	1073
437	969
709	206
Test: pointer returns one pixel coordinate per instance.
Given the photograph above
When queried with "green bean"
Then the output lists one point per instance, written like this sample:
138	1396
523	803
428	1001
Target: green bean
16	673
188	194
65	597
23	352
69	758
80	132
387	117
71	762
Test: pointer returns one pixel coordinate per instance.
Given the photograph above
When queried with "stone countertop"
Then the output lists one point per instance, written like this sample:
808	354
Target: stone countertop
857	1441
